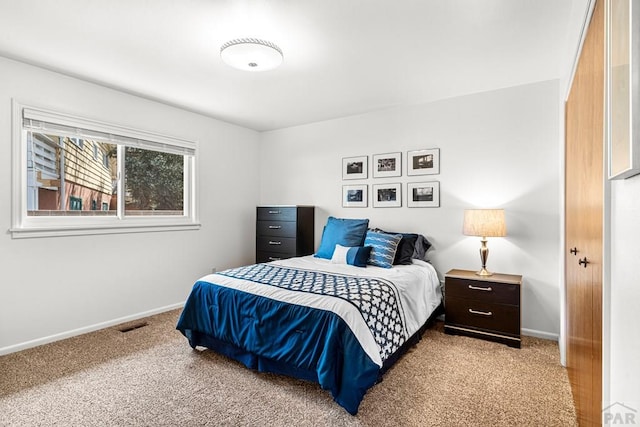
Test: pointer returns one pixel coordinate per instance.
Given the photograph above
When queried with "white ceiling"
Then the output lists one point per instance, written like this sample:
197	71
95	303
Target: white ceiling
341	57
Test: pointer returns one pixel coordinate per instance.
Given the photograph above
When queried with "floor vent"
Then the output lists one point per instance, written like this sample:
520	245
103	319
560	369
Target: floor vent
133	327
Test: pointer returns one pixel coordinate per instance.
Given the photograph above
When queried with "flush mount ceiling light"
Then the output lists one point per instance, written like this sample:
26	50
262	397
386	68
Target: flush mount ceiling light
251	54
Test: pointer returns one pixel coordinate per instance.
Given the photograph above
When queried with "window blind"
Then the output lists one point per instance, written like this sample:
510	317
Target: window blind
43	121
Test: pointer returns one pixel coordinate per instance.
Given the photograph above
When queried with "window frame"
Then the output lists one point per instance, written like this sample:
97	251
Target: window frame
25	226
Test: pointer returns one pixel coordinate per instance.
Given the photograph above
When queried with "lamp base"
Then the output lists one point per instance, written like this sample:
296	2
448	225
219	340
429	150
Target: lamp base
484	272
484	254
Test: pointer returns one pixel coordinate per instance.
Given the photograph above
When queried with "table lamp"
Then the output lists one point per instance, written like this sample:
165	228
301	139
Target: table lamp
484	223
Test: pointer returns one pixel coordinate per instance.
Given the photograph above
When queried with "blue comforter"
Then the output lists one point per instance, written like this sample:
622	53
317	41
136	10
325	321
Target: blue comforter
274	336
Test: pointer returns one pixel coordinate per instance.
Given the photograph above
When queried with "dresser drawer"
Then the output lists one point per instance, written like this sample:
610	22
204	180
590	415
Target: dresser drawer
276	228
264	256
483	291
276	244
483	315
275	213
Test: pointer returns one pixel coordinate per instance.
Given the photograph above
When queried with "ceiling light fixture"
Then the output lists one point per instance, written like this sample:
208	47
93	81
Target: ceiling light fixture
251	54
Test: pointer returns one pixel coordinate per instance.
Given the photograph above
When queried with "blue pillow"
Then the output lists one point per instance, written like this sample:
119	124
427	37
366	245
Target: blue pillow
383	248
357	256
341	231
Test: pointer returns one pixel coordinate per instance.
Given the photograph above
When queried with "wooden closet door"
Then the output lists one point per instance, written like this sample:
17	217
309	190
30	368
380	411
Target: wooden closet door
584	200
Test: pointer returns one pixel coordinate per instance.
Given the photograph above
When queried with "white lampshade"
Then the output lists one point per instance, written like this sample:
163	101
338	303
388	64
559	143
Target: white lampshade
484	223
251	54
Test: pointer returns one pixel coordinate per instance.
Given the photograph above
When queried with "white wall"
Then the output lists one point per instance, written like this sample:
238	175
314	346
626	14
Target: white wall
497	149
53	287
624	339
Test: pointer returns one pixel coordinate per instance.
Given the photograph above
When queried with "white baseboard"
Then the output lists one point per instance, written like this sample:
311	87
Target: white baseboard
540	334
86	329
102	325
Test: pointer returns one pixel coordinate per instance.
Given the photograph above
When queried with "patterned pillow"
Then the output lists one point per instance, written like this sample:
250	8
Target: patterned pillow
412	246
383	248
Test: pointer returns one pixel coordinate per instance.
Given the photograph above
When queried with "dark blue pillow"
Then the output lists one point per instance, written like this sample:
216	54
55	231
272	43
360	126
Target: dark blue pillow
356	256
404	254
341	231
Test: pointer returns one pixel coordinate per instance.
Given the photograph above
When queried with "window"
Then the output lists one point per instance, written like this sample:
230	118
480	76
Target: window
80	176
75	203
78	142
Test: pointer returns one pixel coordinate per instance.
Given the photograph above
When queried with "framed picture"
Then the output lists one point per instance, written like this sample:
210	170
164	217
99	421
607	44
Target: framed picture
387	195
423	162
622	100
423	194
355	167
387	165
354	196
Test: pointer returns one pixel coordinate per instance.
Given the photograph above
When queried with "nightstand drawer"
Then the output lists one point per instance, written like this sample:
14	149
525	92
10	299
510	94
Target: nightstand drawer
276	244
262	256
276	228
484	291
275	213
483	315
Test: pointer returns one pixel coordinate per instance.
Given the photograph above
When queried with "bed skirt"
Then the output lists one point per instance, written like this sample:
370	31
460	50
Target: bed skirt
345	396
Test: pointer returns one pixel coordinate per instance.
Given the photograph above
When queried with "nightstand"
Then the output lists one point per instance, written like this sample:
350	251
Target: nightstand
486	307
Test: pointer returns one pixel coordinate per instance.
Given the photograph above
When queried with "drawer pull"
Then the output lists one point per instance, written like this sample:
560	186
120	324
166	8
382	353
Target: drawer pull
274	242
480	288
272	258
275	227
482	313
274	212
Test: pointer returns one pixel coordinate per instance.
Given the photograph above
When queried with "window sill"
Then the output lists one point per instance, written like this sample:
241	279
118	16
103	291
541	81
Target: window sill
37	232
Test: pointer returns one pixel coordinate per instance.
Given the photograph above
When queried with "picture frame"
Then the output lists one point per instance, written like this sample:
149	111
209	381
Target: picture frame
355	196
423	194
622	90
387	195
355	167
386	165
423	162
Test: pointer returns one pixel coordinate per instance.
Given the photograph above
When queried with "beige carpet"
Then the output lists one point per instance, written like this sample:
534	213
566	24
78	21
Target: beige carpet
151	377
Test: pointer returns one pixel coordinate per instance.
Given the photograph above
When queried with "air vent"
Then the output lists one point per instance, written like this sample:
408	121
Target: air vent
133	327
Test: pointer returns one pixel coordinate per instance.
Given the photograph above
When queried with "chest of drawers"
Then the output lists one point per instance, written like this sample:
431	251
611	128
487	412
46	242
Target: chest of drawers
483	307
284	232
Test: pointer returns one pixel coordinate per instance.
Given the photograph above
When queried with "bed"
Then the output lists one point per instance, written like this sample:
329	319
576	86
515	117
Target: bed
313	318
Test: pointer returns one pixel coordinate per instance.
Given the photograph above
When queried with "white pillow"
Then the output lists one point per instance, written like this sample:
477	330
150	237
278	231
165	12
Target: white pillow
340	254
